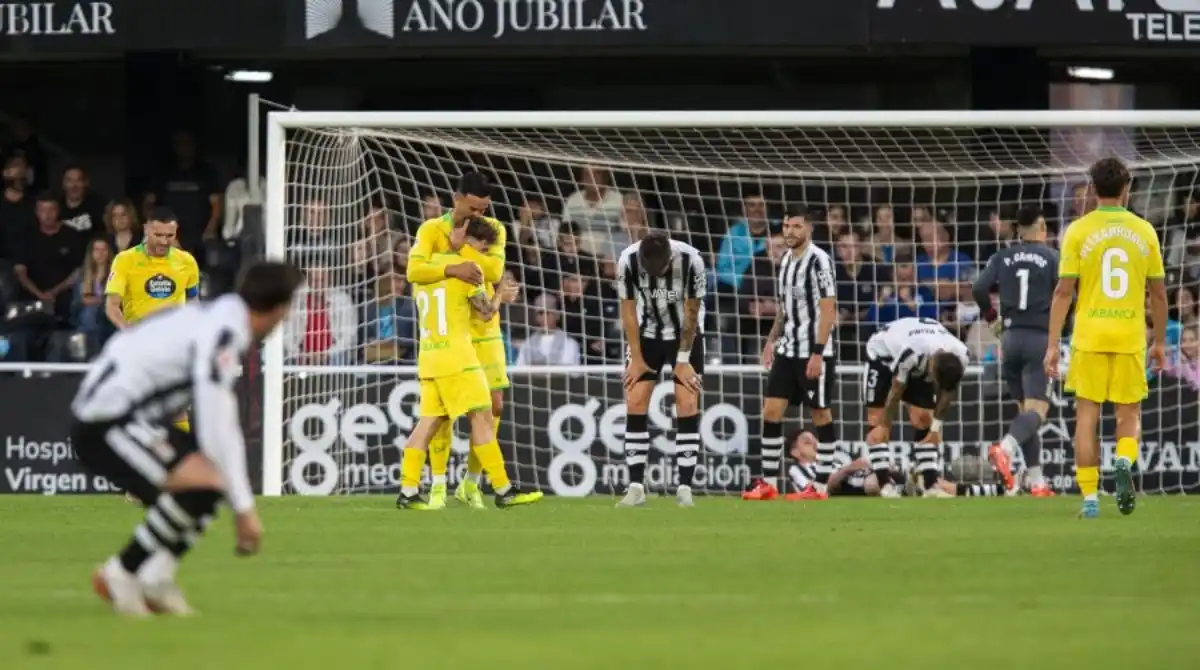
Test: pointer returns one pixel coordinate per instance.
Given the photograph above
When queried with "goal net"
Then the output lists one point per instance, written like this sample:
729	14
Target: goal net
911	205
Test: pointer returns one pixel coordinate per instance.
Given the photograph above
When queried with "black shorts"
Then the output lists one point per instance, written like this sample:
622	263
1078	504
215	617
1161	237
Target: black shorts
878	382
133	455
1023	352
659	354
788	379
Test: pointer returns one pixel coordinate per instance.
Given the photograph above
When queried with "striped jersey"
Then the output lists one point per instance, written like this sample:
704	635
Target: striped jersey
804	278
906	345
660	299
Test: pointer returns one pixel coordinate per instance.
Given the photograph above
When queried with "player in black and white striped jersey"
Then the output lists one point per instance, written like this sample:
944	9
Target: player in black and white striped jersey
800	356
123	430
662	283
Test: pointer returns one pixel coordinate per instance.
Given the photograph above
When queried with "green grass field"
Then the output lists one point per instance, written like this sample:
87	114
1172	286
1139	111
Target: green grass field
352	583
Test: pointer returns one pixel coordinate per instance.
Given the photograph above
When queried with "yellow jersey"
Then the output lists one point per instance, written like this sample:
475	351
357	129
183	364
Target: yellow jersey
433	238
444	326
148	283
1113	253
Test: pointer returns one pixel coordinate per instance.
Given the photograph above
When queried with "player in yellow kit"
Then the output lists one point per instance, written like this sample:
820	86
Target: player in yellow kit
453	382
1113	257
446	234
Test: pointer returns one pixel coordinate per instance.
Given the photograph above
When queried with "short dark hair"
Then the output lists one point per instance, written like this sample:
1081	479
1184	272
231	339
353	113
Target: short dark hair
481	230
568	228
75	166
268	285
1028	216
1109	177
948	370
654	253
474	183
799	210
47	196
162	215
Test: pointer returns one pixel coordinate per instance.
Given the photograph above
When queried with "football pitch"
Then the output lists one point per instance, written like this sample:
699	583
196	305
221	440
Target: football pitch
353	583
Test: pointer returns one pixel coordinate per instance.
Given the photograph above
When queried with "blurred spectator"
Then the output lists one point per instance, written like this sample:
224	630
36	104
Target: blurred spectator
374	252
745	239
237	198
536	229
569	258
123	225
991	237
23	142
903	298
858	282
88	304
322	328
756	305
47	269
1181	314
389	323
547	344
982	342
883	238
587	316
836	223
400	251
941	267
634	226
595	209
431	206
81	208
1186	365
1082	202
191	188
16	207
1183	239
312	235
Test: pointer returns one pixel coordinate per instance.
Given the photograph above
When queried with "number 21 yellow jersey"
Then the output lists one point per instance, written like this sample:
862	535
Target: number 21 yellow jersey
444	320
1113	253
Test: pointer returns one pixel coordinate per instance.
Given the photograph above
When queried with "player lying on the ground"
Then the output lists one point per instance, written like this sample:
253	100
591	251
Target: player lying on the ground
445	234
452	381
799	354
662	283
123	414
920	363
1112	256
1025	273
857	478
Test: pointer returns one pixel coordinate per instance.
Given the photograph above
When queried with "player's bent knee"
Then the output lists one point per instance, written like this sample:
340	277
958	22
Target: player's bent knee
637	399
194	472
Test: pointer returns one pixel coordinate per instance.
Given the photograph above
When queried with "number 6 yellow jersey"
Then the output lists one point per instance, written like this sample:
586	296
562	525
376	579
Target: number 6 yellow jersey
444	323
1113	253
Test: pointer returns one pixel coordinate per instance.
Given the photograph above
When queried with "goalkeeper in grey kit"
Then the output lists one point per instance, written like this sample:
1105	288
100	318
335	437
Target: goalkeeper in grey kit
1026	273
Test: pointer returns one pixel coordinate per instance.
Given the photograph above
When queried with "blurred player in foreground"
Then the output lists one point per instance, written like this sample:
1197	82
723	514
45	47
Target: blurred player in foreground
123	430
1025	272
1112	256
446	235
858	479
151	276
453	382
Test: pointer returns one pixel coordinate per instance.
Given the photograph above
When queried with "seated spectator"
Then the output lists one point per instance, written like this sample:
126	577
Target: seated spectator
569	258
400	252
17	217
431	207
946	271
47	270
122	224
1185	365
547	344
903	298
322	328
595	209
536	230
88	304
745	239
192	189
375	250
588	315
81	208
757	304
858	282
633	227
883	241
835	225
389	323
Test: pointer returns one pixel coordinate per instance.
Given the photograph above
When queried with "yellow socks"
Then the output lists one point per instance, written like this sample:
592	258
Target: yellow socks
1127	448
439	452
410	471
1088	480
492	462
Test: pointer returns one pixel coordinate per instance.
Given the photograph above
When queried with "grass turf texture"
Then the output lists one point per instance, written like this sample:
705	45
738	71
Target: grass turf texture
354	583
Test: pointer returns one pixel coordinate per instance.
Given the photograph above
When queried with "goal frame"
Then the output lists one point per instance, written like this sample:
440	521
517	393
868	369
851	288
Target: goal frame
279	122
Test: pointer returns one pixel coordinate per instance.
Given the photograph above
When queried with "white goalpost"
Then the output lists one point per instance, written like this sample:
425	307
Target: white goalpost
910	203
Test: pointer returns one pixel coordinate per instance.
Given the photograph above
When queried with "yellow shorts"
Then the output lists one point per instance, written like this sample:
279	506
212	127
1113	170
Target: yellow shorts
455	395
1101	377
494	359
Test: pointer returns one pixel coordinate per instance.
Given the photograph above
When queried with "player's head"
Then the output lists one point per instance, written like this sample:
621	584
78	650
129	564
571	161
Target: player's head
803	446
654	254
267	288
1031	224
473	196
480	234
947	370
796	228
160	230
1110	179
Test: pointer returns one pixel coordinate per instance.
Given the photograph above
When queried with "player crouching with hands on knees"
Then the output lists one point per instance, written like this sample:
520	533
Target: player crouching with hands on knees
452	380
123	430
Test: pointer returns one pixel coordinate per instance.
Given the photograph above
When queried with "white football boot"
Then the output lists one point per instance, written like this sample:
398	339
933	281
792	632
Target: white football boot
635	496
683	496
119	589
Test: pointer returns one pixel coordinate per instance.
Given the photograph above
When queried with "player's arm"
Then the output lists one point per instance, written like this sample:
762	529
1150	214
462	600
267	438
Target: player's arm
627	292
491	261
694	289
826	304
191	278
945	400
114	293
426	265
836	479
1064	291
219	434
981	291
901	372
481	305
